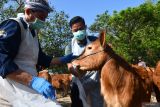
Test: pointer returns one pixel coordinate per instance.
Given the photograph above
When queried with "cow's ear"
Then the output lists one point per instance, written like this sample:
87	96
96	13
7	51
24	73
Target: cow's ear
102	38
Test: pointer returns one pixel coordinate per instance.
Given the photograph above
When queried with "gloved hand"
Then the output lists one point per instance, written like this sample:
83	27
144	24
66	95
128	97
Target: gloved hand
43	87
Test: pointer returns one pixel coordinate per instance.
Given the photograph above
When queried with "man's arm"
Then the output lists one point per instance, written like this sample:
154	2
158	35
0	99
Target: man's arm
62	60
40	85
48	61
20	76
10	38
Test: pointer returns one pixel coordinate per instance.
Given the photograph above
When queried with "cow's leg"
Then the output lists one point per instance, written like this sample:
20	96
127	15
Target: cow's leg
157	92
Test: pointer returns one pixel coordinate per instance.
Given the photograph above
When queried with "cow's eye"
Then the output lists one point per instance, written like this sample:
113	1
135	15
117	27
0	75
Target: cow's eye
89	47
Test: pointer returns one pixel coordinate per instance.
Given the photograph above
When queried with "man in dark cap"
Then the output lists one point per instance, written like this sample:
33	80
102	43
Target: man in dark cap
20	52
85	87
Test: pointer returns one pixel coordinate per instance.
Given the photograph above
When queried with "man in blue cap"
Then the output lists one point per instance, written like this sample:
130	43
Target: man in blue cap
20	52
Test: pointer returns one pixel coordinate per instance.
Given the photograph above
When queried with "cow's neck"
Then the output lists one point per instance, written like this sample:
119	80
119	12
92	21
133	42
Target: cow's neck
117	88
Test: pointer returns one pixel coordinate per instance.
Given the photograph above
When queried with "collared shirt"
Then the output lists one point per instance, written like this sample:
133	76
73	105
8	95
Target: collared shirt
68	49
10	39
69	56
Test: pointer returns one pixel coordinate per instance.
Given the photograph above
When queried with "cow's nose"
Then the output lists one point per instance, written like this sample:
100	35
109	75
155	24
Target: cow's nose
76	66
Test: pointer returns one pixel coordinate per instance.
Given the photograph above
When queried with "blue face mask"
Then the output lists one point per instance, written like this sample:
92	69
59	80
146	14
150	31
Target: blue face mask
37	24
80	34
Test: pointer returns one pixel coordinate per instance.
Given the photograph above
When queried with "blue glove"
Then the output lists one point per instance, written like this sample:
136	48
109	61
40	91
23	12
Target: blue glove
43	87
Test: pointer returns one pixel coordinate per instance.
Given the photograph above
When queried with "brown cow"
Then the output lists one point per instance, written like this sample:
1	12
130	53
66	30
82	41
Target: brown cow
44	74
121	84
156	76
156	80
59	81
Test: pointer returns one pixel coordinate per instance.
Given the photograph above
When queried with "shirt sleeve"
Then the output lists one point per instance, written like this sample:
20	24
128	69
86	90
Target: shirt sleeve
10	37
68	55
43	59
68	49
67	58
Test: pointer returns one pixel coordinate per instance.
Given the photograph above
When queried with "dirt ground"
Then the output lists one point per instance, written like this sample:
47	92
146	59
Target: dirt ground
64	101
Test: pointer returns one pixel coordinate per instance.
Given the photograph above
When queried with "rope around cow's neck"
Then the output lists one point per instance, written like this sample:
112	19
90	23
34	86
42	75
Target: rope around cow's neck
90	54
108	59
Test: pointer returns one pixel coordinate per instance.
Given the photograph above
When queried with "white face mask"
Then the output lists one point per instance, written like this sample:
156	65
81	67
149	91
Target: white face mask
37	24
80	34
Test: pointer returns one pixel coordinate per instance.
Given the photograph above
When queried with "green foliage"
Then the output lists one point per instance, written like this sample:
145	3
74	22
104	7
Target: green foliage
133	32
6	11
55	36
101	23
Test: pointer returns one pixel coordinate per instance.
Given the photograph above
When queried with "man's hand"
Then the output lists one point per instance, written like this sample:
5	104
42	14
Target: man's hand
74	70
43	87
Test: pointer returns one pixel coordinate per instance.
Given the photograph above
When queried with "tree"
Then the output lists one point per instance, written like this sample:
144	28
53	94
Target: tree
55	36
6	10
134	32
101	23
